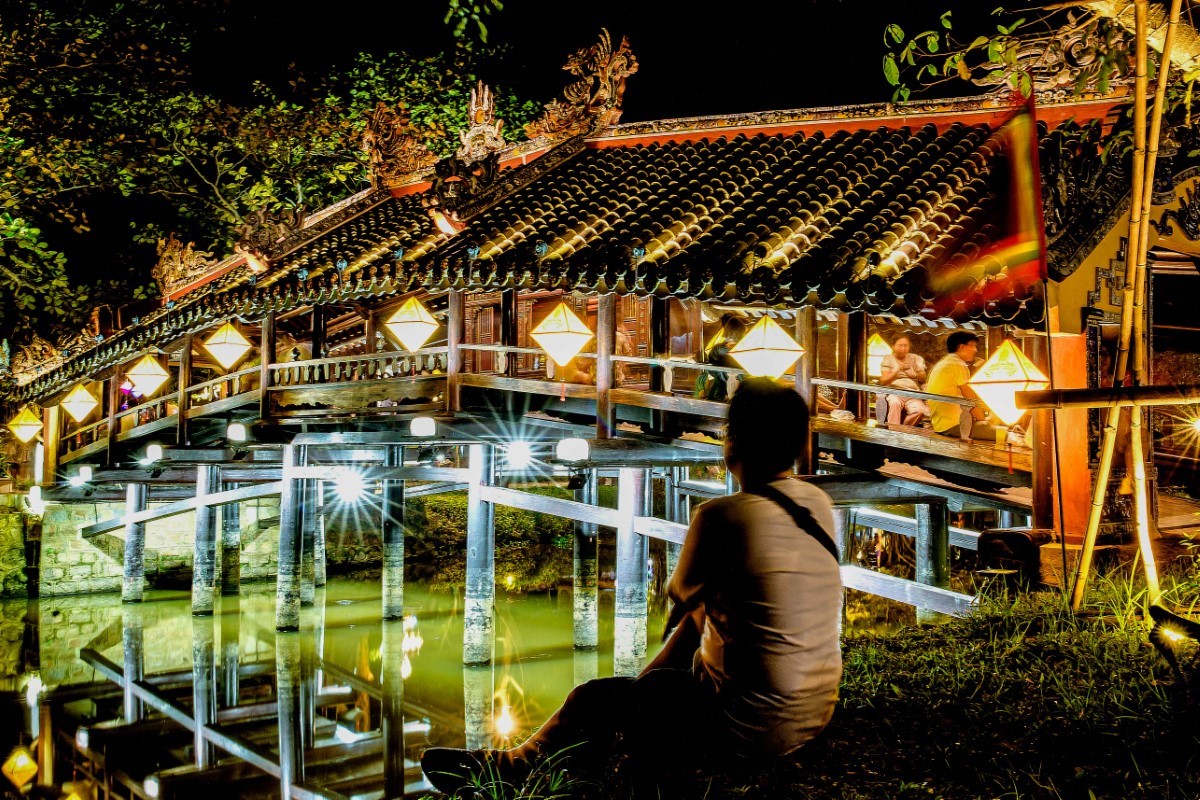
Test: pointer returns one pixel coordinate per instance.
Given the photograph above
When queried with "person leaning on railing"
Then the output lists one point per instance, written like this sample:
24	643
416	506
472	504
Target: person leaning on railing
949	378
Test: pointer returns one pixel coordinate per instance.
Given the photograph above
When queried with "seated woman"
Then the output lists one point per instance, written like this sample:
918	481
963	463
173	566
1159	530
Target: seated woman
902	369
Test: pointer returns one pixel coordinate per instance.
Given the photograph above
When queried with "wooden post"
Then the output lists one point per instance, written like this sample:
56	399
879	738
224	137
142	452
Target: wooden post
204	562
317	331
133	661
308	538
316	501
51	436
134	567
185	380
856	362
204	685
629	628
1069	371
508	329
675	512
392	708
660	347
287	584
843	535
266	347
806	370
231	630
393	540
480	606
933	550
455	328
586	562
478	694
606	338
45	744
114	404
231	546
287	689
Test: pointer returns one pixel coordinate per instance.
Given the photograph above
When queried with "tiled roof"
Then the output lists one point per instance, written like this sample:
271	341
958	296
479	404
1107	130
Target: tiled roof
881	220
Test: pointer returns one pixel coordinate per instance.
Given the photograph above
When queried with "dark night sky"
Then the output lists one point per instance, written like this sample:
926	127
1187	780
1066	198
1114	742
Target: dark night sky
696	58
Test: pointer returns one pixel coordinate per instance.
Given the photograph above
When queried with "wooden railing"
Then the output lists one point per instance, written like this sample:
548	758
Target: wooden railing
355	368
84	438
223	387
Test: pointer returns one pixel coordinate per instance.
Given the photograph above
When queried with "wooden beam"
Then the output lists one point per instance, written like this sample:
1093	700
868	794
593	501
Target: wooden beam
806	370
182	507
606	335
455	336
508	329
114	401
185	380
266	348
51	437
527	386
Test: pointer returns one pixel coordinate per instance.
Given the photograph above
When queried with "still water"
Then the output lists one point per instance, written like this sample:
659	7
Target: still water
352	673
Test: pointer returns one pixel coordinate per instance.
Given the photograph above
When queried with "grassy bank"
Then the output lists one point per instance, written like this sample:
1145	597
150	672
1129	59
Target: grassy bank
1021	700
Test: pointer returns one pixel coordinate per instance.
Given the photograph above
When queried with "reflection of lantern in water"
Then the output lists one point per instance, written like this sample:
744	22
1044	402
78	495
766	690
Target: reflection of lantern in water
505	723
405	668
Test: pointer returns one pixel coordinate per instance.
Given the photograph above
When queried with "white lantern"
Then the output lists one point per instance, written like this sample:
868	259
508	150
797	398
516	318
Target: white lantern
412	324
562	334
1006	372
227	346
572	450
423	426
25	425
147	376
766	349
80	403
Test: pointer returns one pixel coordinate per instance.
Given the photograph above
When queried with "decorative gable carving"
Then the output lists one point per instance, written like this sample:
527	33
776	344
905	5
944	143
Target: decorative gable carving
594	100
393	150
180	264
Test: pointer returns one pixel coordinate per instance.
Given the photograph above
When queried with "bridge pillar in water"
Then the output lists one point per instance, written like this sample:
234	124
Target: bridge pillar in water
231	546
629	628
231	631
480	607
308	537
392	708
204	688
676	511
133	661
287	582
287	691
315	499
134	580
393	540
204	562
478	695
585	594
933	551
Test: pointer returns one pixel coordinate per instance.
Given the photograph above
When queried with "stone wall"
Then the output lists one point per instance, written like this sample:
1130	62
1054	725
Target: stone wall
12	547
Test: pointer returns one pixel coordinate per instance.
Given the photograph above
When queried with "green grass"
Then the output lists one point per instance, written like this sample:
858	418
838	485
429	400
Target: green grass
1022	700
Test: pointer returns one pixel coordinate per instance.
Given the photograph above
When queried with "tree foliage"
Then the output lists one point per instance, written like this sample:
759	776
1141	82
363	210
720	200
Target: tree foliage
99	109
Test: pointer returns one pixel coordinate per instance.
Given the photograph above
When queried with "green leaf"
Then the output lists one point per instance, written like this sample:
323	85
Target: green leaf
946	20
895	32
891	72
931	42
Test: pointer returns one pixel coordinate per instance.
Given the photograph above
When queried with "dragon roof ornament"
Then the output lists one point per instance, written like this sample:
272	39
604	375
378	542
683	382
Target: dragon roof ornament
483	135
180	265
262	231
393	150
592	102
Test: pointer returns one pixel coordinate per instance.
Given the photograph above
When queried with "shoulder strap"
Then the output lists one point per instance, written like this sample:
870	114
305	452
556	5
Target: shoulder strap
801	515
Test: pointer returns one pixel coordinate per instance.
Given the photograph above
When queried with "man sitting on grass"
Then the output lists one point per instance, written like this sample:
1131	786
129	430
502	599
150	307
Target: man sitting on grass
753	664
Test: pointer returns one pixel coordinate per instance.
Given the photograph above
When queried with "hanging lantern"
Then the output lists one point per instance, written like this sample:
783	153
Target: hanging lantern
79	403
766	349
147	376
412	324
227	346
25	425
562	334
877	350
1006	372
20	766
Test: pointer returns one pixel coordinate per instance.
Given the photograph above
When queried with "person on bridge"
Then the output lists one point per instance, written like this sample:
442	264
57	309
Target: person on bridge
949	377
752	661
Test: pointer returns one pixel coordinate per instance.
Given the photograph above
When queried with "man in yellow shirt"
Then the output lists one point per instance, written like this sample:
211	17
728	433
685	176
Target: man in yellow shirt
949	377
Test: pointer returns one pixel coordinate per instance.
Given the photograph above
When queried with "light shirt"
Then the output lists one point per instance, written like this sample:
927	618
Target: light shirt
906	370
947	377
773	602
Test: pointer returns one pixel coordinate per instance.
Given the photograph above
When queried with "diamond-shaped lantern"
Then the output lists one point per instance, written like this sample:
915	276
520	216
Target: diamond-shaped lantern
227	346
412	324
147	376
766	349
1006	372
79	403
877	350
562	334
25	425
20	766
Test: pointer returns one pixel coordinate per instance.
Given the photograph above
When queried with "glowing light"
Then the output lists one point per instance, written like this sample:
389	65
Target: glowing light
872	423
505	723
350	486
25	425
236	432
147	376
412	324
79	403
227	346
1195	426
562	334
518	455
510	581
877	350
85	472
572	450
1006	372
443	223
154	453
410	622
37	506
20	767
1172	635
33	689
766	349
423	426
405	669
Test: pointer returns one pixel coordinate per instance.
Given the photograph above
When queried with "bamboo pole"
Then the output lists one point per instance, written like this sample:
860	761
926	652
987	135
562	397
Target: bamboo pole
1141	504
